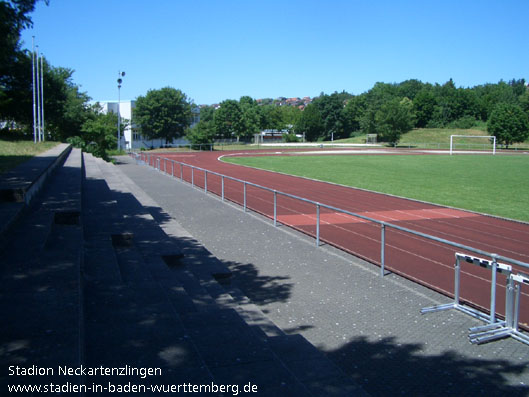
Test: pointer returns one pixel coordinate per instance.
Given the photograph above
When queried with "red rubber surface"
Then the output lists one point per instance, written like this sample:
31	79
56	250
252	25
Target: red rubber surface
427	262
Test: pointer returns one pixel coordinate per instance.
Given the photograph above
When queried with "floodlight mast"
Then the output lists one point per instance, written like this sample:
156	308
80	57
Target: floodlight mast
42	94
120	80
34	92
39	126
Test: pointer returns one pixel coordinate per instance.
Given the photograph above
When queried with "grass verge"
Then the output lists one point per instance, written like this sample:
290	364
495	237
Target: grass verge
496	185
13	153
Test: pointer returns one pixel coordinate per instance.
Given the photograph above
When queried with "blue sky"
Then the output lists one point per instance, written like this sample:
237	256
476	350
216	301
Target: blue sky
223	49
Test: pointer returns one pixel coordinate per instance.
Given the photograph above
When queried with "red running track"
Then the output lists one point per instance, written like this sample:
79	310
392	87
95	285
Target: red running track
425	261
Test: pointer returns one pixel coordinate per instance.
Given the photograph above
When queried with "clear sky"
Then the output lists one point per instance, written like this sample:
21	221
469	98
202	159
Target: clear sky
223	49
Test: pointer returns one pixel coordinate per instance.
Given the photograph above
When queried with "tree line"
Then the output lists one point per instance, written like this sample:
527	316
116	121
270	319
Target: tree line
388	110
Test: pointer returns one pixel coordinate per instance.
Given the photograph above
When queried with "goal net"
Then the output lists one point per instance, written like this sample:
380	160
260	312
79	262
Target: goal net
371	138
482	142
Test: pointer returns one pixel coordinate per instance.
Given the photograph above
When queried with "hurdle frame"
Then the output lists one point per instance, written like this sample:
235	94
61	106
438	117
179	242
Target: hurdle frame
495	268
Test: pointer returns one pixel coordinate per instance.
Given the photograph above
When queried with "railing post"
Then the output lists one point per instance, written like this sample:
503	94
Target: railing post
382	249
244	206
509	304
317	224
275	208
493	289
457	279
222	186
172	168
192	176
205	181
182	172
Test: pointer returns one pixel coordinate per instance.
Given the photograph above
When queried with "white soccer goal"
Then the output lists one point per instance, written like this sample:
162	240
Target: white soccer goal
472	136
371	138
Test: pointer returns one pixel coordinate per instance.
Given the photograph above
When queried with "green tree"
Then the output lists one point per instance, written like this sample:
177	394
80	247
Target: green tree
310	123
15	64
207	113
247	102
354	111
289	116
65	107
98	132
272	117
410	88
524	101
163	114
424	105
393	119
228	120
509	123
335	122
251	118
202	133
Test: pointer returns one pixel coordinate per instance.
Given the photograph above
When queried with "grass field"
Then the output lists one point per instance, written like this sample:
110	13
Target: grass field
496	185
13	153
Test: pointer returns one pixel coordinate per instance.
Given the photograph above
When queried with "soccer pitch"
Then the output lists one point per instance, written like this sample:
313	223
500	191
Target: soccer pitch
495	185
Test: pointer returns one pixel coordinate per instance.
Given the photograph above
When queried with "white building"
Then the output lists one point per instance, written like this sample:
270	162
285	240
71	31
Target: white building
132	139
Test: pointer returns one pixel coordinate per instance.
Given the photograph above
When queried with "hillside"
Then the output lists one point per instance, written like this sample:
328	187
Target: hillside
439	138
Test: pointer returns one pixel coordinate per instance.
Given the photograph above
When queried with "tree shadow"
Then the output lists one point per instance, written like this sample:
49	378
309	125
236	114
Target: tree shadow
9	162
386	367
260	289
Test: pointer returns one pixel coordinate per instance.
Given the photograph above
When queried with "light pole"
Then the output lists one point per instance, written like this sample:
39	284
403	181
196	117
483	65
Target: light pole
34	92
42	94
120	80
39	125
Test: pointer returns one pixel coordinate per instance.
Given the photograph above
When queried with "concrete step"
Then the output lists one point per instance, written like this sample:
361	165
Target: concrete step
18	187
41	287
98	217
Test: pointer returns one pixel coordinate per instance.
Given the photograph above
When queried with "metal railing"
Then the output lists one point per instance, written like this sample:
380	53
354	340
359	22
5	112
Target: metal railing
161	164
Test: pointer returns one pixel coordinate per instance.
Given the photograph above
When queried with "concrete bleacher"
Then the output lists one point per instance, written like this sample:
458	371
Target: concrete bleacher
41	257
93	276
19	185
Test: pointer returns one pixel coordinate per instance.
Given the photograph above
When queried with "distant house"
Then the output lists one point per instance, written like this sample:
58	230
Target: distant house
132	138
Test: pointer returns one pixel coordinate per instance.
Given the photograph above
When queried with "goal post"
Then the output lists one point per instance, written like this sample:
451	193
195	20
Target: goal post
371	138
472	136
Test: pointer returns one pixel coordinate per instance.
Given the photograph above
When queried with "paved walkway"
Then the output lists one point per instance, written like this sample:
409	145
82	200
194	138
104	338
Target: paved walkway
370	327
99	283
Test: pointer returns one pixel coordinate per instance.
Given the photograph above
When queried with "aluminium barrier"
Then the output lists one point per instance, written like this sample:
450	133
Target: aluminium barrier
495	328
153	160
509	327
495	267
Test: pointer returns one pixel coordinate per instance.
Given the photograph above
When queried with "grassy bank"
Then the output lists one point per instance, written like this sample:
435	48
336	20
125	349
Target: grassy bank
13	153
440	138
